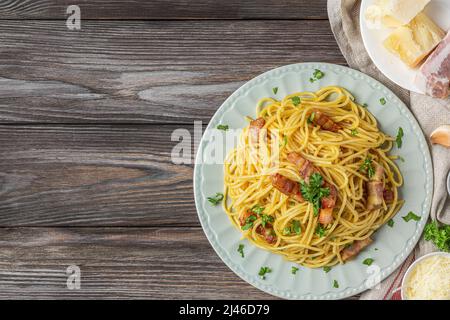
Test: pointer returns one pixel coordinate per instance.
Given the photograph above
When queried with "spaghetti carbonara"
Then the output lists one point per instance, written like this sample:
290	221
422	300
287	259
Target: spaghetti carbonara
311	179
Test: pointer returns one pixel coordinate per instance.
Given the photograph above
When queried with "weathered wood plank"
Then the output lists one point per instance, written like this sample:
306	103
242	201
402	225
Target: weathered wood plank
93	176
116	263
143	72
166	9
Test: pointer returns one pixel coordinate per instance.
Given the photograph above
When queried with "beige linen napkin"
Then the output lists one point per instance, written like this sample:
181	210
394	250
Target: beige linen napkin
344	20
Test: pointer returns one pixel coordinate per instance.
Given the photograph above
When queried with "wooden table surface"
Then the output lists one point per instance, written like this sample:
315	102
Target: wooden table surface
86	118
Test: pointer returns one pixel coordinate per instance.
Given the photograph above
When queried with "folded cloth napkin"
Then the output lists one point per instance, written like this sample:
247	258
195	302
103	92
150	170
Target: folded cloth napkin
431	113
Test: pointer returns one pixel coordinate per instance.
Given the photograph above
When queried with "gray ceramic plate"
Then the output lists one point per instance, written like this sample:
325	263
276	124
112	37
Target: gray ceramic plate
392	244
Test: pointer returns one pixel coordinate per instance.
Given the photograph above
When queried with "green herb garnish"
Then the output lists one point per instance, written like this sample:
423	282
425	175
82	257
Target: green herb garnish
318	74
368	167
411	216
296	100
368	261
286	231
354	132
335	284
327	269
401	158
223	127
275	90
296	227
383	101
320	231
263	271
365	105
390	223
265	218
440	236
311	118
216	199
257	209
249	222
241	250
294	270
313	192
398	140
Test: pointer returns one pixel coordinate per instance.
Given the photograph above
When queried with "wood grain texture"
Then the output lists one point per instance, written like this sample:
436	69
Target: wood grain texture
143	72
166	9
93	176
116	263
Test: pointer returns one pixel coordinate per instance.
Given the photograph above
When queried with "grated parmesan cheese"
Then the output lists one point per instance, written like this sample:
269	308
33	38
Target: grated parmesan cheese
430	279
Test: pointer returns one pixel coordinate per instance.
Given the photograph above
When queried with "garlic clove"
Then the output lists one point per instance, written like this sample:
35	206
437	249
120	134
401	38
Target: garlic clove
441	136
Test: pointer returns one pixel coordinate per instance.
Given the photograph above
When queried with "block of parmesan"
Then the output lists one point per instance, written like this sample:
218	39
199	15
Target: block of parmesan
414	41
434	75
393	13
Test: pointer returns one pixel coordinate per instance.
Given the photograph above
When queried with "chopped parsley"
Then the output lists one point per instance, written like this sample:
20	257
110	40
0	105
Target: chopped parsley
376	249
249	222
257	209
365	105
335	284
311	118
313	192
411	216
265	219
318	74
263	271
440	236
383	101
327	269
368	167
275	90
354	132
320	231
401	158
216	199
390	223
241	250
284	142
294	270
296	100
368	261
398	140
223	127
294	228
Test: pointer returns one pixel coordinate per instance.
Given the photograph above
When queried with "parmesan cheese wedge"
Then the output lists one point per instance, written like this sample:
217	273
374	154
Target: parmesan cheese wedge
393	13
414	41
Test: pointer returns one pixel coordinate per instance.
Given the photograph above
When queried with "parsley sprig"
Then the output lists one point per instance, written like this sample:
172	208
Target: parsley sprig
440	236
241	250
318	74
367	167
411	216
263	271
215	200
314	192
295	228
223	127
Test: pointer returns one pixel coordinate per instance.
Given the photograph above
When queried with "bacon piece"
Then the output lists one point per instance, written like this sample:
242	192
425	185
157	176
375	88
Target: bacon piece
287	186
327	205
255	126
325	122
388	196
267	233
305	167
375	189
243	218
353	250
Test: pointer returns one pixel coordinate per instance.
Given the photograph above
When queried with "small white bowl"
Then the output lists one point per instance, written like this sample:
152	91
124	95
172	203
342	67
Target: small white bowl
411	267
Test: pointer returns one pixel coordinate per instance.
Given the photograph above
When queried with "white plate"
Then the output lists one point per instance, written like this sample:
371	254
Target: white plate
393	244
389	64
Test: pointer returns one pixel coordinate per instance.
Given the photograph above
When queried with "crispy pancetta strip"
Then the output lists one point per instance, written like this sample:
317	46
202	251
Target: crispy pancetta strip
325	122
267	232
287	186
255	127
388	196
353	250
305	167
375	189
